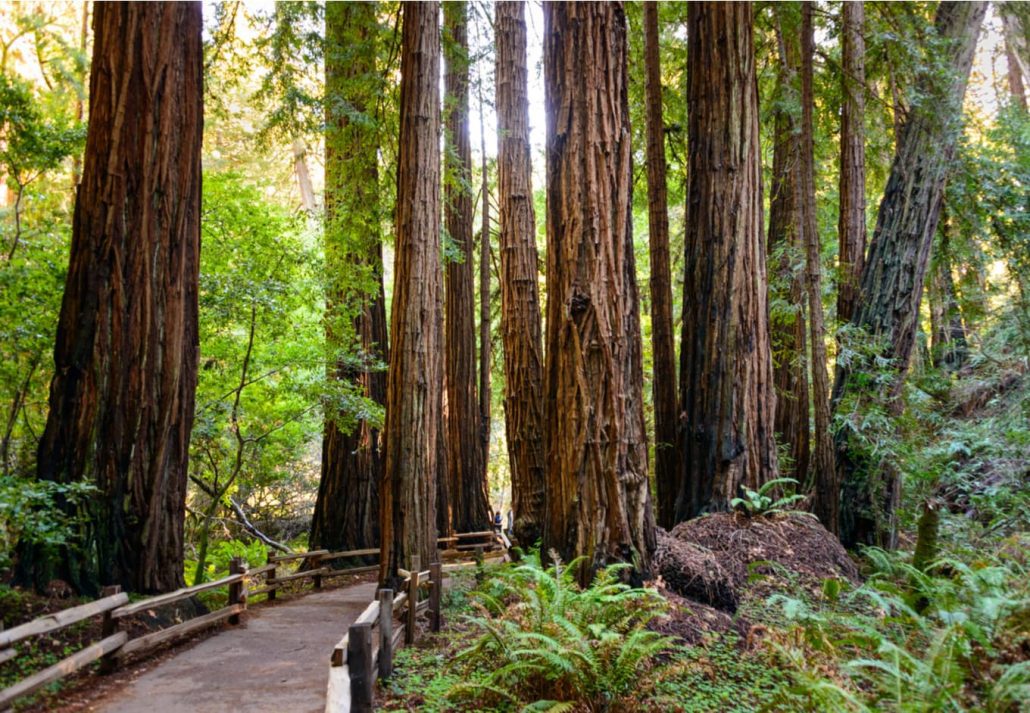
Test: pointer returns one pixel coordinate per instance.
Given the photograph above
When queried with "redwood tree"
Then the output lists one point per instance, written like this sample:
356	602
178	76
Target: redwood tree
892	282
520	303
787	326
726	380
346	514
414	379
466	465
122	396
666	416
597	495
851	230
824	476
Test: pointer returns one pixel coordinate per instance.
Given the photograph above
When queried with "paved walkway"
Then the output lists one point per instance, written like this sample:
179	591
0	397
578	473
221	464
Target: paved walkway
276	662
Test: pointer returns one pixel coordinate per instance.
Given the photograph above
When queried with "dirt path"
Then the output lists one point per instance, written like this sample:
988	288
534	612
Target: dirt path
277	661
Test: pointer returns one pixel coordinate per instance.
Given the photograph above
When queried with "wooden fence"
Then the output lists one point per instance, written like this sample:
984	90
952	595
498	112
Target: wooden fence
365	652
115	645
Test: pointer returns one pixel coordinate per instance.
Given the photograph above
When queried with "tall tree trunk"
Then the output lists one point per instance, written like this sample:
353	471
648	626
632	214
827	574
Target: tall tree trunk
787	326
121	400
346	512
520	301
1016	53
726	381
666	415
414	380
485	346
597	494
824	475
948	336
892	283
851	228
470	508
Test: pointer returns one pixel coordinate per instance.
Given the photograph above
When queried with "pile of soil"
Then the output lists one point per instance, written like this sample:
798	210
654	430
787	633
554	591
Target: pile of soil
724	558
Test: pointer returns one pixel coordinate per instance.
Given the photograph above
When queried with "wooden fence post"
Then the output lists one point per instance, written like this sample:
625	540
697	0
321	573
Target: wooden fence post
385	633
109	627
478	556
270	576
316	563
359	662
435	592
236	592
409	630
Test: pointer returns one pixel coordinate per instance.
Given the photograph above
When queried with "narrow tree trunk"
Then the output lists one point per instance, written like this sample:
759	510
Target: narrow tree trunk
470	509
485	346
414	380
300	168
726	380
346	514
1015	53
851	221
121	400
948	336
892	283
597	495
824	475
80	101
666	415
787	326
520	302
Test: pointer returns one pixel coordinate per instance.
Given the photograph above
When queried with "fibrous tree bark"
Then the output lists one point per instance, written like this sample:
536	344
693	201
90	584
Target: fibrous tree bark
787	325
597	495
666	415
851	227
346	514
726	380
1017	56
415	375
824	475
466	465
122	397
520	302
892	282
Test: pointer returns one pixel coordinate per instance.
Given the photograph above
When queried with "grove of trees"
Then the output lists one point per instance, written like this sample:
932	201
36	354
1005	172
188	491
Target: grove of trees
369	274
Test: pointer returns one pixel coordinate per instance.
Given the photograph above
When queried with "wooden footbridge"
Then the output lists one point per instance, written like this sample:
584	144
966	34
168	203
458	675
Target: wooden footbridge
272	658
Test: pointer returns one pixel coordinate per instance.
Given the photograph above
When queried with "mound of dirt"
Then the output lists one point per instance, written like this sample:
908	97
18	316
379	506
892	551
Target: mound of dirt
722	558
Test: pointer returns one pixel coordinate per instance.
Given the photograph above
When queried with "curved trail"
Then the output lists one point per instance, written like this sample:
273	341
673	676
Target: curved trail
277	661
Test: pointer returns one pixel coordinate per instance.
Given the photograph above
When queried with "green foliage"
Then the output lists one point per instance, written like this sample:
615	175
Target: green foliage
720	676
545	642
760	502
907	640
30	513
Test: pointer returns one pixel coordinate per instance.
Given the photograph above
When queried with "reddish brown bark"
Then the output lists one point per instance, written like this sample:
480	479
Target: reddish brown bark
597	495
520	303
470	510
346	514
824	475
414	379
851	221
892	282
121	400
726	381
666	416
787	326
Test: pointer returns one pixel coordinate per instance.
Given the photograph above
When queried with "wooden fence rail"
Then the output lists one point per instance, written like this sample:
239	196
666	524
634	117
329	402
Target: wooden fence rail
114	606
365	652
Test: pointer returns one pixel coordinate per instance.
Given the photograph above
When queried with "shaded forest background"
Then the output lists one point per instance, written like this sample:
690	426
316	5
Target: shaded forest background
277	324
